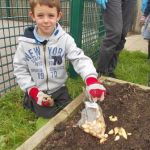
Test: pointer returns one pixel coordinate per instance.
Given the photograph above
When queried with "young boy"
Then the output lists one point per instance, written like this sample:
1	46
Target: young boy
39	62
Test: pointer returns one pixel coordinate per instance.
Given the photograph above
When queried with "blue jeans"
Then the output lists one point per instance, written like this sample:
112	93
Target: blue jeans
117	21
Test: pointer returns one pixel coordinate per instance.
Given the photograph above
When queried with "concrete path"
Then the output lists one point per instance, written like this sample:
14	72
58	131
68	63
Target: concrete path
136	43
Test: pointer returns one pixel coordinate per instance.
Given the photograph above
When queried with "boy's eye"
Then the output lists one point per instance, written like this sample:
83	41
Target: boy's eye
40	15
51	15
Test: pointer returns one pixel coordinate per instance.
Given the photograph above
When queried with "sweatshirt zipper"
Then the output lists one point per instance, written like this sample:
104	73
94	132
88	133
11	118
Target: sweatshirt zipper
44	48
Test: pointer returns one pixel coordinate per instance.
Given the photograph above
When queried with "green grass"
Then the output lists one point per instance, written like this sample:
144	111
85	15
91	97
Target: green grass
133	67
18	124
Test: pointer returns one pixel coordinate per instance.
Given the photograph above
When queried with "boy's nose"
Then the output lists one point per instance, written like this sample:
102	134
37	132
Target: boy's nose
45	19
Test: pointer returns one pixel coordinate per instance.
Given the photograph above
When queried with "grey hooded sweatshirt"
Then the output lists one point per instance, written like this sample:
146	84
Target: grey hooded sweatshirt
43	64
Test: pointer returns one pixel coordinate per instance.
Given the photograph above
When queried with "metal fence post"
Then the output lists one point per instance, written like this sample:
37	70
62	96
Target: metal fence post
76	20
8	7
101	28
77	7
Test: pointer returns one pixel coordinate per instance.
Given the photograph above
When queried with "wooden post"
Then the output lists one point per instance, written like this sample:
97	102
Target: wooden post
137	26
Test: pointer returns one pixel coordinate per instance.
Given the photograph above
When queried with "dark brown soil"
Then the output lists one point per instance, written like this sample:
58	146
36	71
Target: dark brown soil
132	107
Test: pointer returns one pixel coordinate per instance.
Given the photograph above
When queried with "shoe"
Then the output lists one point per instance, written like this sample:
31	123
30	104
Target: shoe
112	75
107	74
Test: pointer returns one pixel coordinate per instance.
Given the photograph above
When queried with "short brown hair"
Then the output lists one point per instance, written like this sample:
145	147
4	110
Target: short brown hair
49	3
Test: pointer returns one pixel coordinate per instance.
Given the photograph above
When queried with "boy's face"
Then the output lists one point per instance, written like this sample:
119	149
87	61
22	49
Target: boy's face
45	18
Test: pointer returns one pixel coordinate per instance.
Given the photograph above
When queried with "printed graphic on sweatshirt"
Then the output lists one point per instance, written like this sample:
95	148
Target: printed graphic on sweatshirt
39	72
33	55
55	55
53	62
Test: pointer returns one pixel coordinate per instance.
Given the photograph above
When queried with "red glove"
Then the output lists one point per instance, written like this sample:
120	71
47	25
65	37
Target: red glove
41	98
95	90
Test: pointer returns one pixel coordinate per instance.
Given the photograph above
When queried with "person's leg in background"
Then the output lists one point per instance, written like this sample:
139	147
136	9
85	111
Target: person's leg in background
128	6
113	23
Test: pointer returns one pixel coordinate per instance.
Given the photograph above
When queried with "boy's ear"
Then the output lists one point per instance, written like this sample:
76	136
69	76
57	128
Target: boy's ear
59	16
31	15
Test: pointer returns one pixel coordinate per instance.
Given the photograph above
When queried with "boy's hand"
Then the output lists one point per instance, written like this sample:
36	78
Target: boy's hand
95	90
102	3
41	98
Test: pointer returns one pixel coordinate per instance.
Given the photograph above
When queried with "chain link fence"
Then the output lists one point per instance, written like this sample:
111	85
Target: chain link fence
86	27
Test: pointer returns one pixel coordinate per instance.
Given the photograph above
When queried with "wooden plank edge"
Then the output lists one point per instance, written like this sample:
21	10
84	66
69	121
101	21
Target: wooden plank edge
102	79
